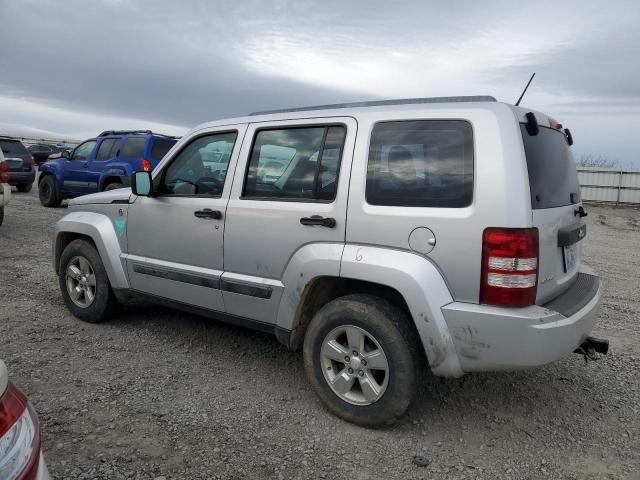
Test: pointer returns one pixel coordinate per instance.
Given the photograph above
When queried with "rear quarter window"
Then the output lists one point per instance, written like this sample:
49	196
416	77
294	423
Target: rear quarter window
421	163
553	178
133	147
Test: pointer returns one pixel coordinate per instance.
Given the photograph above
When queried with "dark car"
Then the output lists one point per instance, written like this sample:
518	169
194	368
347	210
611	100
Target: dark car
41	152
22	172
102	163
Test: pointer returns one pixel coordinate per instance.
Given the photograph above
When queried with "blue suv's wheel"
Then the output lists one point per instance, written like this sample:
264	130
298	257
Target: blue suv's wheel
48	192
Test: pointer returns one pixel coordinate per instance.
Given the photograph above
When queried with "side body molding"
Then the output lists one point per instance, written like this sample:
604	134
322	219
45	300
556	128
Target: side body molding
100	229
424	290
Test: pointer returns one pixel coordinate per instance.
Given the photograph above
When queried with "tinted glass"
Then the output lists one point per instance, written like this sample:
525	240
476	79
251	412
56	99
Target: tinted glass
201	167
160	147
12	147
133	147
295	163
421	163
83	151
107	149
552	171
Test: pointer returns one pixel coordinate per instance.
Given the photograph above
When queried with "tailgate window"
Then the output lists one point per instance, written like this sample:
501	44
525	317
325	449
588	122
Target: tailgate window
12	147
552	171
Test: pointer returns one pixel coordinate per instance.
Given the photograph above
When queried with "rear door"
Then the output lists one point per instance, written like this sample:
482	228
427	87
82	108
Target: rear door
555	200
290	190
107	150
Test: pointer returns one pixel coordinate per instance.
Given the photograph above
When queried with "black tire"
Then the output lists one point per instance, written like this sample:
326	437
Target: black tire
104	303
1	215
396	336
113	186
48	192
25	187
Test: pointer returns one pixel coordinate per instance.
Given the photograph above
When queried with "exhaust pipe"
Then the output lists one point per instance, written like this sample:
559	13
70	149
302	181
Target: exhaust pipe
598	345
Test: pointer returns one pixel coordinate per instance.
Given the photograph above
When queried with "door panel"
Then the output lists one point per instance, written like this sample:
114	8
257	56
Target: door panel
175	239
262	234
76	178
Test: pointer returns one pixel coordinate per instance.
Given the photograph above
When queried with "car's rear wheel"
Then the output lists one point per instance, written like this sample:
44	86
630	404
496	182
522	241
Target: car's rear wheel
1	215
113	186
25	187
361	356
48	192
84	283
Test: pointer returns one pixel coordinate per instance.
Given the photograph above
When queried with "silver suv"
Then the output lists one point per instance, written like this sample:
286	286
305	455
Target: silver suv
380	237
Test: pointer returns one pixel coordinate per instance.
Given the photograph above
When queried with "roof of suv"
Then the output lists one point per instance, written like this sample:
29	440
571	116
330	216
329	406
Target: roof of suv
347	109
108	133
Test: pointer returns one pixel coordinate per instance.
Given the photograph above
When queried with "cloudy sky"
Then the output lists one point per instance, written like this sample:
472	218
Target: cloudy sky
77	67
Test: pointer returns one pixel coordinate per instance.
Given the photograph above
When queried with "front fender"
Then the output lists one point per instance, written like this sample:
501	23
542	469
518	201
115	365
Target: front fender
50	167
101	230
423	288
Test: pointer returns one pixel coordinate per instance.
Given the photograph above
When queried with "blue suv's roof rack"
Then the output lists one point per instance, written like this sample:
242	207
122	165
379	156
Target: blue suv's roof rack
133	132
380	103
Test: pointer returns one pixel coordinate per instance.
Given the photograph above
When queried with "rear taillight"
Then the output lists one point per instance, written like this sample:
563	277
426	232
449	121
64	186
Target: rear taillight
33	161
19	437
4	172
146	165
509	266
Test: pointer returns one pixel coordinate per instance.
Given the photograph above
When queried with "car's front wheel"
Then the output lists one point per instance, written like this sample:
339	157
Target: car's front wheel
48	192
361	356
84	283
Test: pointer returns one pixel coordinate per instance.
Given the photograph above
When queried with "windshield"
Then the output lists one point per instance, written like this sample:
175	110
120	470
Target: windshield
552	171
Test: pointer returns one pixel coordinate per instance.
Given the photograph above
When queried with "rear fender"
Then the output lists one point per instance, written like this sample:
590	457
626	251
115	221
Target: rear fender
422	286
101	230
121	171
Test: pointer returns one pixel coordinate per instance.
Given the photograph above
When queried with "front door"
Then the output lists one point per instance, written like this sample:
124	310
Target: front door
290	191
76	179
175	238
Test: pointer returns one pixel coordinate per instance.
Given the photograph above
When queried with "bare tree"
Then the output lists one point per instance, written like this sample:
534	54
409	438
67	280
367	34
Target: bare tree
599	161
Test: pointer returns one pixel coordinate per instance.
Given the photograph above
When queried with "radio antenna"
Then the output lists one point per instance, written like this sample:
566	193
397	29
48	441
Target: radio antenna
525	89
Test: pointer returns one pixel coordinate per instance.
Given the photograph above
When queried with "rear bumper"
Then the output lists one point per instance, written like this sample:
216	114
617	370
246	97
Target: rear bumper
22	178
5	194
490	338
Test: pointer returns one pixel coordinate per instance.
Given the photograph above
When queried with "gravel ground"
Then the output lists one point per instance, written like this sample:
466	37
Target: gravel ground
156	394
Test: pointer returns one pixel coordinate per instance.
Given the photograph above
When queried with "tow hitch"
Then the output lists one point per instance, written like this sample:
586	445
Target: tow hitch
591	346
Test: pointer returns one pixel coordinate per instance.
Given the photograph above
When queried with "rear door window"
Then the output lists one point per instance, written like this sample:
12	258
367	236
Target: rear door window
553	178
107	149
421	163
295	163
160	147
133	147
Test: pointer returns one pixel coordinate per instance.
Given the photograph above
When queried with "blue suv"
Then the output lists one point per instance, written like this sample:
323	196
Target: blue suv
102	163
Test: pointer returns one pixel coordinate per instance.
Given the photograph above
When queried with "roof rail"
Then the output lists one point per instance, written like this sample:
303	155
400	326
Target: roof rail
124	132
381	103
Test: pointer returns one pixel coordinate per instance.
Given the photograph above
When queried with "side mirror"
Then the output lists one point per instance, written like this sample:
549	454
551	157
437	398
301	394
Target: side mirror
65	154
141	184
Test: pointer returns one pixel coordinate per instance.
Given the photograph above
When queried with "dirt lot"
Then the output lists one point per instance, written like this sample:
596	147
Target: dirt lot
156	394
